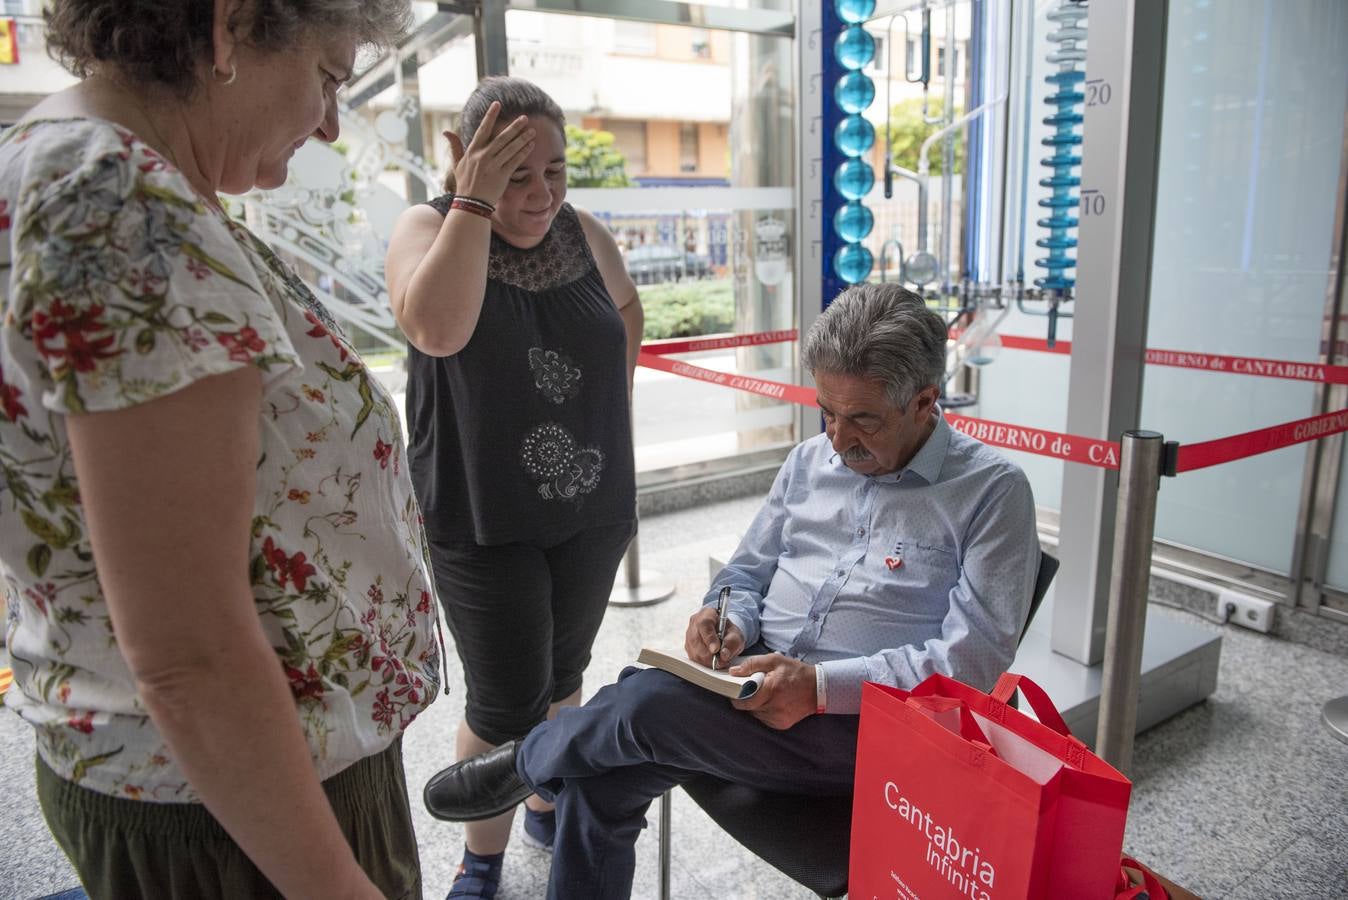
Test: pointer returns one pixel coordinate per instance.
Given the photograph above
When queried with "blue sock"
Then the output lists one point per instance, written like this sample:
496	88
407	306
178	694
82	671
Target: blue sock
540	828
478	876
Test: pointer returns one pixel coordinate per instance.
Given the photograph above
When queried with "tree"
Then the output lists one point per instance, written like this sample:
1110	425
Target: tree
907	131
592	160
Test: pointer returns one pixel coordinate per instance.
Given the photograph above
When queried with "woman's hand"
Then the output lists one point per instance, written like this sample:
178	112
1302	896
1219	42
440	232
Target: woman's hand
483	169
429	250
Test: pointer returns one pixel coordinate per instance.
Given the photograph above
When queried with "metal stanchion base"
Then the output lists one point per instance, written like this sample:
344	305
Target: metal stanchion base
1335	715
651	589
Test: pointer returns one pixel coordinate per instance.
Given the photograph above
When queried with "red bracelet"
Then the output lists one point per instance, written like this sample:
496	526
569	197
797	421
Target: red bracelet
473	208
476	202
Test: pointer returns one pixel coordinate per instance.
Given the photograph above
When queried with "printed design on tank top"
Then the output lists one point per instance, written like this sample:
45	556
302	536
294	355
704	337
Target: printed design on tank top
564	470
555	376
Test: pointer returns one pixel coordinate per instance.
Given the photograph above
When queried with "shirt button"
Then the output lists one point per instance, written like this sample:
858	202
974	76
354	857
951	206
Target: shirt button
814	617
861	532
839	573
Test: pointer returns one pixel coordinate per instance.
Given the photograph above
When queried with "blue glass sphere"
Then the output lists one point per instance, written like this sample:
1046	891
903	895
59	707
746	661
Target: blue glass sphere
854	11
854	136
853	221
854	47
854	92
852	263
854	179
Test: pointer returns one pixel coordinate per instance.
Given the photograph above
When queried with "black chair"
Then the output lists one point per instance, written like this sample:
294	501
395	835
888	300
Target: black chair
806	838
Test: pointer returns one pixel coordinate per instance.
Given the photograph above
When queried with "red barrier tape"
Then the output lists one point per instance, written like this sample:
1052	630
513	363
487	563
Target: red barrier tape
774	389
717	342
1252	443
1247	365
1104	454
1209	362
1014	342
1070	447
1181	359
1073	448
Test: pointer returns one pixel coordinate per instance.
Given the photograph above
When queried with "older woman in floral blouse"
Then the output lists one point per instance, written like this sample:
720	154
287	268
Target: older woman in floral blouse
220	617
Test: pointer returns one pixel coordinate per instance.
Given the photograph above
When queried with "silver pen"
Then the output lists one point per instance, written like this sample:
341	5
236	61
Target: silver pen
722	607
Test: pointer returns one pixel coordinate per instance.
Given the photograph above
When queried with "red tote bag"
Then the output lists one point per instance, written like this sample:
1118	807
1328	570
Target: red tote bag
960	796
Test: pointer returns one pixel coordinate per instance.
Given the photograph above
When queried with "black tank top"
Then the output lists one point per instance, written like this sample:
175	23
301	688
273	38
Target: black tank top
525	434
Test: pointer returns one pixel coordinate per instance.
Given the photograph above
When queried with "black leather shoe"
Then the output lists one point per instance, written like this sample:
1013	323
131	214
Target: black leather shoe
479	787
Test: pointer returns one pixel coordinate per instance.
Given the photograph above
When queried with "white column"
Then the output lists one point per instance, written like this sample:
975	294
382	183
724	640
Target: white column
1124	80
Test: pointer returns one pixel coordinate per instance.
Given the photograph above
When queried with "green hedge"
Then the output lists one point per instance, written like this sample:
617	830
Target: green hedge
688	308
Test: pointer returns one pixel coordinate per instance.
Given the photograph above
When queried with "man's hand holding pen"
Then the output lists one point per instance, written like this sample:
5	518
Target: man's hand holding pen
788	691
701	644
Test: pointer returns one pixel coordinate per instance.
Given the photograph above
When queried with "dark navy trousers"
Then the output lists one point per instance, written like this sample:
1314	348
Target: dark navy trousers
604	762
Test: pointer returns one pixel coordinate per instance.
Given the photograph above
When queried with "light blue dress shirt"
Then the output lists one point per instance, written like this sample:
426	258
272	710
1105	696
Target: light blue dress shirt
889	578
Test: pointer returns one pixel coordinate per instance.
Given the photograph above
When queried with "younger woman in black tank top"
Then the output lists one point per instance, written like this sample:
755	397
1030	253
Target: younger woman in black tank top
523	329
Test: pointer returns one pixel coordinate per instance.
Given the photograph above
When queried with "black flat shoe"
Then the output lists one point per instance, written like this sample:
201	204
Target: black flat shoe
479	787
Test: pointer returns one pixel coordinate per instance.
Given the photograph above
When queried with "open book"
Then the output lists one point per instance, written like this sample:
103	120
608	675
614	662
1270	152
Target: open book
676	662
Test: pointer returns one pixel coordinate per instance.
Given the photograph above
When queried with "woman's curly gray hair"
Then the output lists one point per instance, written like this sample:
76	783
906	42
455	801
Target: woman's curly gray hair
162	41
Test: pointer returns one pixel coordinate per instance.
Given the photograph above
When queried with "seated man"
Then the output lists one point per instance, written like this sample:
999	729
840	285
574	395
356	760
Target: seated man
889	548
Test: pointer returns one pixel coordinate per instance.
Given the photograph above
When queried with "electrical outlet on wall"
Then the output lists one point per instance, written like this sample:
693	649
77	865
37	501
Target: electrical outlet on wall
1242	609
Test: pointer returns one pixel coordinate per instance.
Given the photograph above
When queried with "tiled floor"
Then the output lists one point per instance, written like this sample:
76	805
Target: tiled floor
1242	797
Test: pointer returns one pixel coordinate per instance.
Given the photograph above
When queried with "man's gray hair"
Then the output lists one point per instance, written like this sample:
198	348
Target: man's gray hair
880	332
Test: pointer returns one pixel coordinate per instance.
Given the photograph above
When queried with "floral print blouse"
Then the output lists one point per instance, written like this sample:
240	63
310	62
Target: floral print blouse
119	285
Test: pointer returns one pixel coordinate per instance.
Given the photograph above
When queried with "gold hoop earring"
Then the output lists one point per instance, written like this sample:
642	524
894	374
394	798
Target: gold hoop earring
233	73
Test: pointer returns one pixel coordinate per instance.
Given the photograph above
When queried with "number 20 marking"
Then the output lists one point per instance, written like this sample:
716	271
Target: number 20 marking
1098	93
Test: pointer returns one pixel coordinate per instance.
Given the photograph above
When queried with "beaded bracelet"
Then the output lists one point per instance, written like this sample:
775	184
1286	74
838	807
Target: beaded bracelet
477	210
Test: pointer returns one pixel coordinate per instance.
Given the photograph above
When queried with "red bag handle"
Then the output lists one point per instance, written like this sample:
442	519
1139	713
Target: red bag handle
1150	888
969	729
1037	697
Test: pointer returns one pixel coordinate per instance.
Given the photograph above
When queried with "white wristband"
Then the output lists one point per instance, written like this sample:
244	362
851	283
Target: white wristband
820	690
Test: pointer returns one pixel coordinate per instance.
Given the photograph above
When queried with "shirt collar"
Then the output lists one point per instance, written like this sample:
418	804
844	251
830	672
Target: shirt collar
930	456
926	462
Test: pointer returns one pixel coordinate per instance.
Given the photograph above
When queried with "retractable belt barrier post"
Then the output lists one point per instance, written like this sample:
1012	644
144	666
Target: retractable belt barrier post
1134	526
633	589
